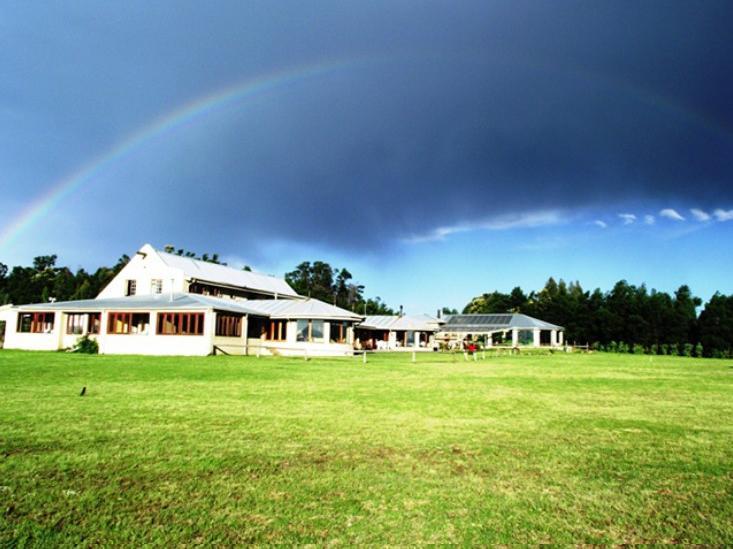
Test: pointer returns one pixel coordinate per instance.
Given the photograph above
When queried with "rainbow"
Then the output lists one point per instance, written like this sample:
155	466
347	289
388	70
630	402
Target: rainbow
201	107
164	124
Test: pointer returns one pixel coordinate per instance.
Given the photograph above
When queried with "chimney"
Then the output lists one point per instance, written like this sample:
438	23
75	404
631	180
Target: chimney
438	317
400	310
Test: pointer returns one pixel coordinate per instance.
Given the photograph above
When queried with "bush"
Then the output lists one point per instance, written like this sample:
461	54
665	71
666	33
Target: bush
687	349
596	346
698	350
623	348
664	349
654	349
612	347
638	349
86	345
674	350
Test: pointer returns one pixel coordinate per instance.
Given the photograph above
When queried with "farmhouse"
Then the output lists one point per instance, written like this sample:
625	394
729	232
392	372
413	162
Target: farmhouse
515	329
163	304
166	304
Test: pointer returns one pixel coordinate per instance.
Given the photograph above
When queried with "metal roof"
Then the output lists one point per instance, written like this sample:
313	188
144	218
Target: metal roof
491	322
160	302
307	308
221	274
420	323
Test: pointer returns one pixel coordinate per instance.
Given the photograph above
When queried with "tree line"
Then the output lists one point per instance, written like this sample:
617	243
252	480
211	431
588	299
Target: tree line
627	318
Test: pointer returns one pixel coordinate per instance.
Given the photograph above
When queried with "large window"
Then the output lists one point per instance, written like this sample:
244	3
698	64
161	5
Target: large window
128	323
228	325
310	330
180	324
339	332
75	324
275	330
36	323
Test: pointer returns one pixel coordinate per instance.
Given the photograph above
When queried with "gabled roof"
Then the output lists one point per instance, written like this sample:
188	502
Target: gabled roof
221	274
489	322
294	309
420	323
160	302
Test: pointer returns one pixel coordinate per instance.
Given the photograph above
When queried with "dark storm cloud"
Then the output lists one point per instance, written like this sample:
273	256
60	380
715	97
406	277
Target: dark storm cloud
454	112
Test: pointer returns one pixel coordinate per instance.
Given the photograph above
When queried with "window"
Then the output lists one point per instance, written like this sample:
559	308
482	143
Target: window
275	330
316	330
228	325
95	323
310	330
131	287
339	332
256	326
156	286
128	323
75	324
36	323
180	324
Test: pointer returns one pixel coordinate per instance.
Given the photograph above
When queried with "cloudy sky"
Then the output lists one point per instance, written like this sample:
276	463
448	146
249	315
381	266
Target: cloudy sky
437	149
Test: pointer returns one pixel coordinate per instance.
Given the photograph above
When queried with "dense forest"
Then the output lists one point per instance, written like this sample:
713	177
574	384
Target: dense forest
627	318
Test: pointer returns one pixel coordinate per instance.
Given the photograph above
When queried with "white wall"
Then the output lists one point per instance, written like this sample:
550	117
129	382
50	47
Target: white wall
143	270
32	342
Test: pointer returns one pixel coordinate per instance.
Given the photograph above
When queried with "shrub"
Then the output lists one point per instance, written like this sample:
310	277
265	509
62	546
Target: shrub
674	349
596	346
622	347
654	349
638	349
687	349
612	347
698	350
86	345
664	349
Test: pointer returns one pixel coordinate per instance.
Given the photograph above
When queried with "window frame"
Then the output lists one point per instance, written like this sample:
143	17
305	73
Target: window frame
156	286
79	318
94	328
228	325
190	323
343	330
276	327
308	338
130	287
128	317
38	322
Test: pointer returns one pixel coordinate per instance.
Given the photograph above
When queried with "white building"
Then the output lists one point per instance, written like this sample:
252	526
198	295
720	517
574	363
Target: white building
398	332
152	271
163	304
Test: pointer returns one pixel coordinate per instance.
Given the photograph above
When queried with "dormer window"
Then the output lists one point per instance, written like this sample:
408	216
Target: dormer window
131	288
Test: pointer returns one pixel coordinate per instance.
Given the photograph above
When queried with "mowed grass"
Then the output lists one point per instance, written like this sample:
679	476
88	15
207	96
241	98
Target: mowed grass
566	448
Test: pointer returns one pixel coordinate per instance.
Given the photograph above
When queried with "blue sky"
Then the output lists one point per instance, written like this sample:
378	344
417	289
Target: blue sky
438	150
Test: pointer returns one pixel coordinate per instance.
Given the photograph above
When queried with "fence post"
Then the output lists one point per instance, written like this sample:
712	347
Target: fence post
413	356
363	357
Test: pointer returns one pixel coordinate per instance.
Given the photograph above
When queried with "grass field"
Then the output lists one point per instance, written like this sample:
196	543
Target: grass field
564	448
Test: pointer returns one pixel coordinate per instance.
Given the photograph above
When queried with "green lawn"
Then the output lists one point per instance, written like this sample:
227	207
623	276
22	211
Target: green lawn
564	448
